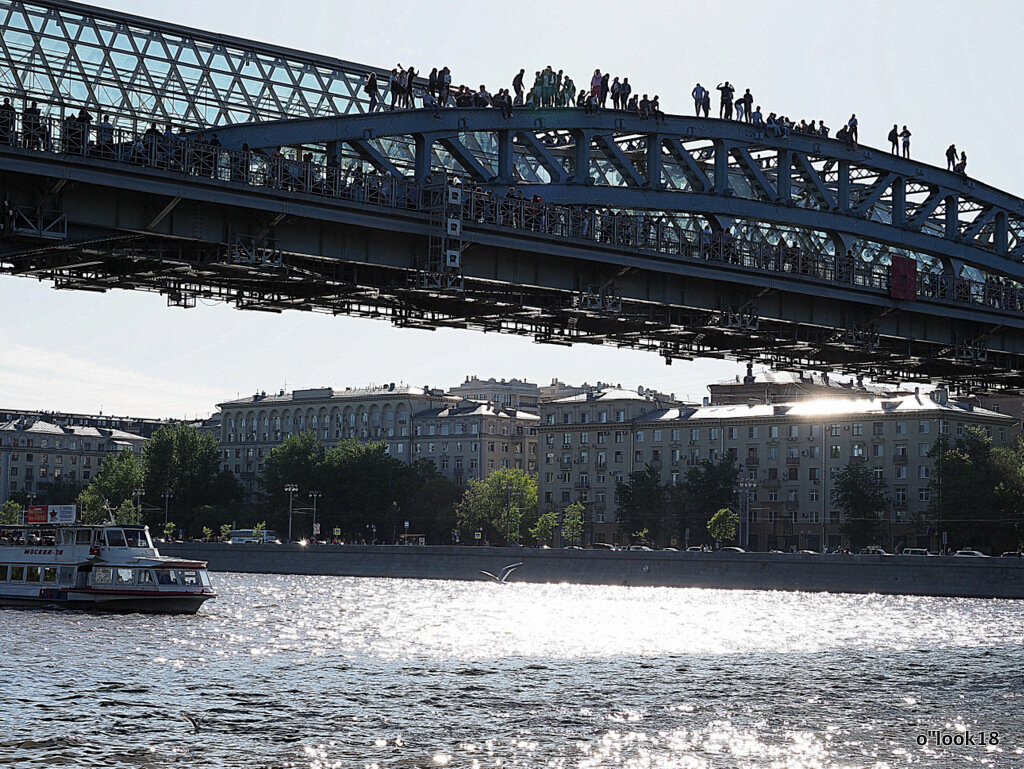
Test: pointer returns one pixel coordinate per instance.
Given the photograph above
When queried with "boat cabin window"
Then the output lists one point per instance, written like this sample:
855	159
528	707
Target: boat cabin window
124	576
115	538
67	537
49	574
102	576
83	537
145	577
138	538
17	573
31	573
190	578
166	577
3	572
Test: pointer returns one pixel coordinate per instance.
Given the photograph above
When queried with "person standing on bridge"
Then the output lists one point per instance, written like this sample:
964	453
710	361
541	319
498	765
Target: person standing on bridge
615	87
748	104
624	92
32	126
410	82
851	126
951	156
8	119
517	86
370	89
432	82
725	107
595	84
698	98
905	136
604	90
961	167
894	140
444	86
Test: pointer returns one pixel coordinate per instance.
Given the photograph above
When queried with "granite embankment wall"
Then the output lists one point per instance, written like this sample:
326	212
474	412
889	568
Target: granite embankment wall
906	575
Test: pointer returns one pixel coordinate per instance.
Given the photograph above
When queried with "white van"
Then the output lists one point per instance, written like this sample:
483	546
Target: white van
252	537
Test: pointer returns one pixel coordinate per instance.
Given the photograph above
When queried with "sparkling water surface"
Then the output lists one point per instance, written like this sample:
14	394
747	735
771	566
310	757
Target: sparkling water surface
317	672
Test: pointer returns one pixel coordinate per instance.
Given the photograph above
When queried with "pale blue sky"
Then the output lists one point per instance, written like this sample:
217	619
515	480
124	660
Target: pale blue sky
949	70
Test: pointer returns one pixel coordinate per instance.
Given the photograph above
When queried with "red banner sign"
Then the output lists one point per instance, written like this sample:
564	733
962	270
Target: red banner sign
36	514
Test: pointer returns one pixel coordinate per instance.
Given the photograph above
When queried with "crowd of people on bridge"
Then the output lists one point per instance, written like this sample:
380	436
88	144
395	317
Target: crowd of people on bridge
555	88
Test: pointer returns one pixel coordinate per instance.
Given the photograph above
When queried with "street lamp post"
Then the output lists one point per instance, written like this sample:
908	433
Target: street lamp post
292	489
167	498
138	498
748	487
315	495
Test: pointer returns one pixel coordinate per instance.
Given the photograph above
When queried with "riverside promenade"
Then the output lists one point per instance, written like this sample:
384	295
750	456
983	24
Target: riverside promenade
893	575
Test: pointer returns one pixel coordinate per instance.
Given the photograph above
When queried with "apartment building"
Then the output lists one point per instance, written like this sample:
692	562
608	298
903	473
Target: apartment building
515	394
472	439
35	454
251	427
789	454
466	439
586	446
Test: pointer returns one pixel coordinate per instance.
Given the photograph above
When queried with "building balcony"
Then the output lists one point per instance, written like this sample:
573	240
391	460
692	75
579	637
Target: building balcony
900	459
793	461
861	459
753	462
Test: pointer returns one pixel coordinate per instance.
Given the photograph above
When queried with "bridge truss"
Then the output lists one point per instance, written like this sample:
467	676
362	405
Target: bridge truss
688	236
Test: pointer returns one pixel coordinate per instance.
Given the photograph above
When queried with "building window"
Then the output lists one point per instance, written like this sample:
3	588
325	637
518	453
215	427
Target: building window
858	428
835	452
877	428
924	426
733	433
835	430
901	428
878	450
922	449
924	495
924	472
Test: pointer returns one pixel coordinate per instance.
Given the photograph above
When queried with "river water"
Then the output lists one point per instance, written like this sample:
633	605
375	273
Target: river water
316	672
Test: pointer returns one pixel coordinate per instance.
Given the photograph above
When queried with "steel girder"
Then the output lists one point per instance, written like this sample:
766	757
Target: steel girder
723	171
69	55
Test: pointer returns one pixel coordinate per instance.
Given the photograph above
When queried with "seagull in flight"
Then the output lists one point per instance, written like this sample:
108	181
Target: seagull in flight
502	577
194	720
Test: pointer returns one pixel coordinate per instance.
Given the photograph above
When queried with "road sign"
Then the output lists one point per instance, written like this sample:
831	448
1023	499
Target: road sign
316	529
407	526
337	531
477	535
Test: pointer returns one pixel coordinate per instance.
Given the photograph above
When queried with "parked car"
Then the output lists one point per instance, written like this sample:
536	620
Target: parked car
914	551
670	549
733	550
603	546
872	550
638	547
695	549
1012	554
968	553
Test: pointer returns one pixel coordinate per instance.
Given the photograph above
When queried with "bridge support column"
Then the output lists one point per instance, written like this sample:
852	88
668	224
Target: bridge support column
505	164
1001	234
654	160
424	150
952	216
843	188
721	167
899	201
581	169
333	152
784	180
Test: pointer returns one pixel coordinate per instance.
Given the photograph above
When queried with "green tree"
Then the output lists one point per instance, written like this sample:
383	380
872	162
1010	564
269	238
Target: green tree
544	529
115	484
977	492
862	504
706	488
186	463
572	523
499	505
643	504
225	532
169	529
10	512
207	534
723	525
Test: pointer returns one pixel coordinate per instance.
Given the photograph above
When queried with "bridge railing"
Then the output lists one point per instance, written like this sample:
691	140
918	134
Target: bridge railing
621	229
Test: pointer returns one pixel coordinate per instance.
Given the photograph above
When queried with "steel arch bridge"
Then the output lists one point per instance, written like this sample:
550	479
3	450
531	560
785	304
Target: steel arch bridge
688	236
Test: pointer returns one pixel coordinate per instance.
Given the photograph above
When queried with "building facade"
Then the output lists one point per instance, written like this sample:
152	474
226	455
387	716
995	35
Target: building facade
586	446
465	439
515	394
789	454
472	439
36	454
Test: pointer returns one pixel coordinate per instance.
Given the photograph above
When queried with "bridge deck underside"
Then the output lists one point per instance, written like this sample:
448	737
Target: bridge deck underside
274	250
